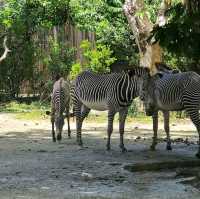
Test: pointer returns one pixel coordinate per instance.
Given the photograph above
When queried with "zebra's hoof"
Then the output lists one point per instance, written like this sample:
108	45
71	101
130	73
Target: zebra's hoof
198	155
108	148
169	148
124	150
80	143
69	134
59	137
152	148
54	139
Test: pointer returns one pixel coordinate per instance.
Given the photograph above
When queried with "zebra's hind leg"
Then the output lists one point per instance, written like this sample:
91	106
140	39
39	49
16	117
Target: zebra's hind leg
68	123
53	122
111	115
53	131
155	131
122	119
194	116
166	127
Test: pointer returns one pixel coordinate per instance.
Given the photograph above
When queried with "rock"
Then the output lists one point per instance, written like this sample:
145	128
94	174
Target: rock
138	138
86	176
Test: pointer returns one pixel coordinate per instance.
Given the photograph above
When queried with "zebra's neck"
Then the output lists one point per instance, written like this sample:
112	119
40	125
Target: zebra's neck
127	90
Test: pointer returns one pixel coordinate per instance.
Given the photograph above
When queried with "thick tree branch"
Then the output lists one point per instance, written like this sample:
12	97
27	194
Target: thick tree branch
161	18
5	51
141	26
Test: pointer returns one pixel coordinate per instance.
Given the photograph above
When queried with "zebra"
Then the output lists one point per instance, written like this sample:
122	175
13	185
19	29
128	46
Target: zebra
60	102
173	92
164	69
113	92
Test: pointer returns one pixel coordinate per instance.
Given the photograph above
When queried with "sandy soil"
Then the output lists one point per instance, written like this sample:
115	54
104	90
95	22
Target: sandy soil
33	167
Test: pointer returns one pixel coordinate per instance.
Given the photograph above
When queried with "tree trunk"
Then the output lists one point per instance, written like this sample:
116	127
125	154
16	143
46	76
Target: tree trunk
141	27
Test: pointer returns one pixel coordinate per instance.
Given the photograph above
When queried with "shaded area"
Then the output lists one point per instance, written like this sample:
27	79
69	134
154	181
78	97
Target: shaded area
157	166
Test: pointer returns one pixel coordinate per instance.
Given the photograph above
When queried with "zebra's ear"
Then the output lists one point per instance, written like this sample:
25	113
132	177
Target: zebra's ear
48	113
131	73
162	66
158	76
175	71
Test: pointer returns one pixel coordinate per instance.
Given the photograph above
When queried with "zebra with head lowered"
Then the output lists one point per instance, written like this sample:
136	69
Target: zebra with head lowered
60	102
173	92
113	92
164	70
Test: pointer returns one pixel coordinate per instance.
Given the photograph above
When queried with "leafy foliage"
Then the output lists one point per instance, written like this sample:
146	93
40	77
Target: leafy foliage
181	35
60	58
75	70
98	59
20	19
34	12
107	20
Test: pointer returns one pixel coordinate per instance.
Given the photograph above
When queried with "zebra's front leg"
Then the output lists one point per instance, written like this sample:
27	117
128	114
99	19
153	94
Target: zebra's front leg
155	131
122	119
166	127
111	115
83	112
77	112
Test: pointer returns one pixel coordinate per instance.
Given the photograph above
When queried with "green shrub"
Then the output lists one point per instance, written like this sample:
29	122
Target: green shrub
98	59
75	70
60	58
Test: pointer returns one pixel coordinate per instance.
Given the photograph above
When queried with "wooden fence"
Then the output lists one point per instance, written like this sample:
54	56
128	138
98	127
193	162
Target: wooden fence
67	34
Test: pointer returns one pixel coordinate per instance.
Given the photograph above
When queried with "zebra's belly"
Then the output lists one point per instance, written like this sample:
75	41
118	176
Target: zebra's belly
99	105
176	106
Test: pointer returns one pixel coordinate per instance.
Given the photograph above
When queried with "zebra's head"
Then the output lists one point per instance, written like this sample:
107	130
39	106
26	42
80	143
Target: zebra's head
165	69
148	94
59	123
137	75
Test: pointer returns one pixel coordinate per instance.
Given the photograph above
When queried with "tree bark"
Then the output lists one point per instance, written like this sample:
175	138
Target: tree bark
141	27
6	50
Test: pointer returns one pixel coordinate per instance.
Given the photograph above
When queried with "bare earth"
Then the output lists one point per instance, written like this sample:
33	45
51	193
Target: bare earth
33	167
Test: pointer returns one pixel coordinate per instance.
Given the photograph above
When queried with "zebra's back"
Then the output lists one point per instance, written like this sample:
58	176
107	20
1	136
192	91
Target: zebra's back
61	95
97	91
171	89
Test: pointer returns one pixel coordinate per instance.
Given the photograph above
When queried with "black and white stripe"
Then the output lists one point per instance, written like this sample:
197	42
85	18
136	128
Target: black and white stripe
60	102
113	92
173	92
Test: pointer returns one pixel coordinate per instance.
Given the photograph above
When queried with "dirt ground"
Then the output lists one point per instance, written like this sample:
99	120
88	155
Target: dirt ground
33	167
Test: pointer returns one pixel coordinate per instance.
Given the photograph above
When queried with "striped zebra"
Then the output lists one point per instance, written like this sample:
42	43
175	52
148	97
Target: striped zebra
163	69
113	92
173	92
60	102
